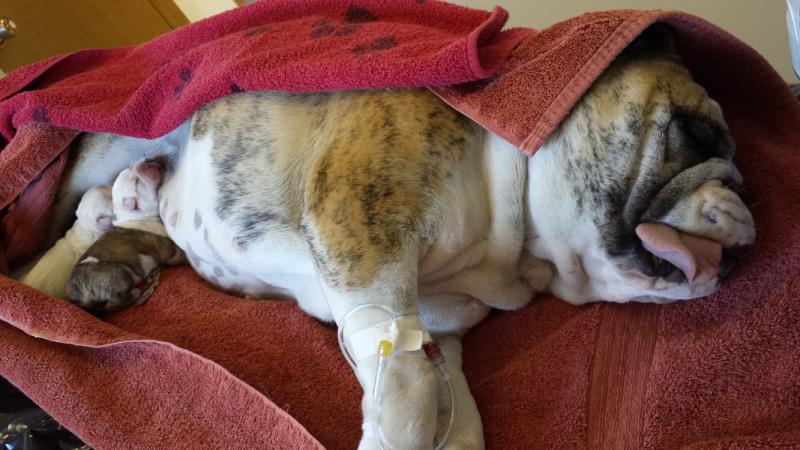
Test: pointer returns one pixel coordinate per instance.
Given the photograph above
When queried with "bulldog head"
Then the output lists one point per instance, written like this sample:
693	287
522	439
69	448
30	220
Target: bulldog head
135	192
94	211
635	196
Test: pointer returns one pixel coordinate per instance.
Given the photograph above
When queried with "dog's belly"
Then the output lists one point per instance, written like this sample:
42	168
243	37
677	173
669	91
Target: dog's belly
277	266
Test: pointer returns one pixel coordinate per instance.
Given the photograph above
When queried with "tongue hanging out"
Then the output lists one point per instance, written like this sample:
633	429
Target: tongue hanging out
698	258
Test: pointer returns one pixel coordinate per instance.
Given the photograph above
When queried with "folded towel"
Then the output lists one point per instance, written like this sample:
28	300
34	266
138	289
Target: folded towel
195	365
309	45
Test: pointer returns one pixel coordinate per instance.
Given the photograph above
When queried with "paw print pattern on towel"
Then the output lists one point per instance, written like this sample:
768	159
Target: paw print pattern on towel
381	43
255	31
353	16
41	115
324	27
357	14
321	28
186	77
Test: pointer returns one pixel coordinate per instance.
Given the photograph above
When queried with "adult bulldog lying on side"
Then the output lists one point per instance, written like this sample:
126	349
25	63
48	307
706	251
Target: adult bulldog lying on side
404	222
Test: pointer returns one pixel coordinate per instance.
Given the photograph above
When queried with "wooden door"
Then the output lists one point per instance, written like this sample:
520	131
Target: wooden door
51	27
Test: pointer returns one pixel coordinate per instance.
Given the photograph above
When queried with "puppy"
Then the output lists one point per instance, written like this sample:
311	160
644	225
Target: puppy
94	217
111	269
403	221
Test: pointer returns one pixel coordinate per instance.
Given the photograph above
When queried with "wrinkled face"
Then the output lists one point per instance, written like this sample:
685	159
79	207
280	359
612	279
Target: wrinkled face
135	192
94	211
635	197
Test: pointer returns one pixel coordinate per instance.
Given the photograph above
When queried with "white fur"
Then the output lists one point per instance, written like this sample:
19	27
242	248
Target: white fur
572	243
51	272
135	195
111	154
132	183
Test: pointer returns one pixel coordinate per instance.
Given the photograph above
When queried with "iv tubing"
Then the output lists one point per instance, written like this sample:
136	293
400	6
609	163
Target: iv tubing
377	390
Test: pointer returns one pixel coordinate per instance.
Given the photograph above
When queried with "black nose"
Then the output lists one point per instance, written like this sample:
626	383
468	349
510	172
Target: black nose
730	259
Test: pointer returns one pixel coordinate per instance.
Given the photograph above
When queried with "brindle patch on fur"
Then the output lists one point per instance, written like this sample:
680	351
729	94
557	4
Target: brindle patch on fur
250	161
369	191
637	147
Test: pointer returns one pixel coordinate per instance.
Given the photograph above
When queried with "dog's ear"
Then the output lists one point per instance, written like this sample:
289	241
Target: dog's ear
657	39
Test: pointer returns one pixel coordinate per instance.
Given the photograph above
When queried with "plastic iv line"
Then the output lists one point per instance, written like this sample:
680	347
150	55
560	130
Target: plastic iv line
385	349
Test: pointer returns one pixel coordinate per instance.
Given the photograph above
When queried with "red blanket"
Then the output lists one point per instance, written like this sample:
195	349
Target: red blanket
195	365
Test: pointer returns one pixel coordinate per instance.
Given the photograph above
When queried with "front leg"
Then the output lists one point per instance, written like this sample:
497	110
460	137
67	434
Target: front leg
402	412
366	254
369	197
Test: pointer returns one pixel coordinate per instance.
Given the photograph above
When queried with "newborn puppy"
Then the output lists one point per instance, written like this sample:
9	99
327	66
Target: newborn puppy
108	276
51	273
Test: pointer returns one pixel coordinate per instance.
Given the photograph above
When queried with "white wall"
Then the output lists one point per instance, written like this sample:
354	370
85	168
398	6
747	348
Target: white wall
200	9
760	23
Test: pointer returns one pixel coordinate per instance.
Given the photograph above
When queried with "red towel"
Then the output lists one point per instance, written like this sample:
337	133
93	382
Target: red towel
194	365
296	45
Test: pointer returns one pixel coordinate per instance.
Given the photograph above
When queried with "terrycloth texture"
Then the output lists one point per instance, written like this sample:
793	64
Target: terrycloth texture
296	45
548	73
96	383
36	159
719	372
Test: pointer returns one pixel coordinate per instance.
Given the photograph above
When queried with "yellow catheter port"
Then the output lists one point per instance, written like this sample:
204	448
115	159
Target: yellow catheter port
385	348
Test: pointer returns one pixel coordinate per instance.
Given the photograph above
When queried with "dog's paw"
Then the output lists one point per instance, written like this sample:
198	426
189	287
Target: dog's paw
726	217
714	212
406	410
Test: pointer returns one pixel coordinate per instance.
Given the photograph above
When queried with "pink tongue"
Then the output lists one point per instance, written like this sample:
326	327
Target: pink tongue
698	258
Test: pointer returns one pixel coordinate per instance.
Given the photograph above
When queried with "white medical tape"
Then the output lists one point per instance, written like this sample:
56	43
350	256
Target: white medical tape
406	334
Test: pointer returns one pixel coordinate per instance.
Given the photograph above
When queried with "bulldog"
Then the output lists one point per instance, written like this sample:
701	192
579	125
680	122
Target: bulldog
399	219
